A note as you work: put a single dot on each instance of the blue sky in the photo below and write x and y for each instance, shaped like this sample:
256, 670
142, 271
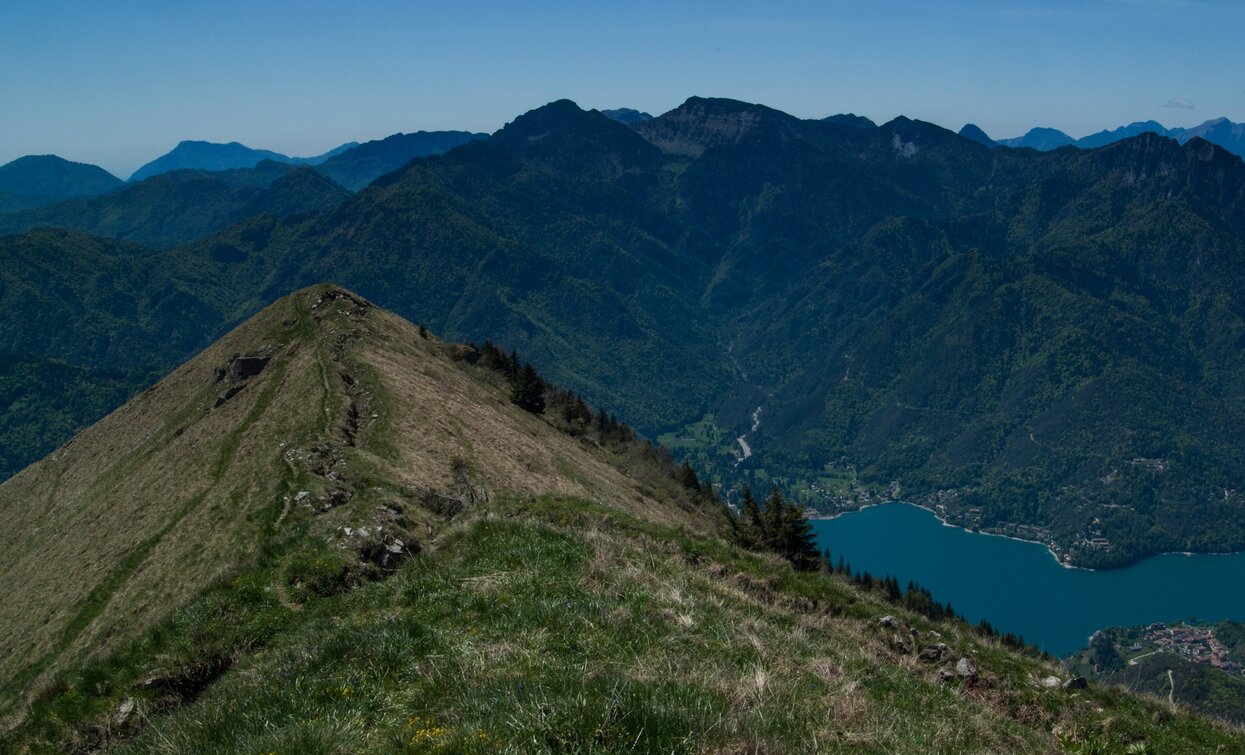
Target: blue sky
118, 83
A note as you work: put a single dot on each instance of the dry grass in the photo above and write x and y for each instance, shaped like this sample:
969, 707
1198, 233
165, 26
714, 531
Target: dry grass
186, 492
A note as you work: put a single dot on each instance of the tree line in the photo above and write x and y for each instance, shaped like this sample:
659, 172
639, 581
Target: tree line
778, 525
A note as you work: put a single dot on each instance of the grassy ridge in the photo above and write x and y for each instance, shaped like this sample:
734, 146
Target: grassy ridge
558, 625
581, 595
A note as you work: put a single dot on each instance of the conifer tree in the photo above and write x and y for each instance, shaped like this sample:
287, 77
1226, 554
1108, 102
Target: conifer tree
773, 517
752, 517
688, 477
527, 390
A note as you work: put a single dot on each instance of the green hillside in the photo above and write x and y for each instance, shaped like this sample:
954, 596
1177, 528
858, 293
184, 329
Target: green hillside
186, 205
35, 180
1198, 665
333, 532
359, 166
1040, 339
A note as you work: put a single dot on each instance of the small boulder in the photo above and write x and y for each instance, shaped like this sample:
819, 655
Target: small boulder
889, 622
122, 713
965, 668
226, 395
1076, 682
933, 652
242, 367
1051, 682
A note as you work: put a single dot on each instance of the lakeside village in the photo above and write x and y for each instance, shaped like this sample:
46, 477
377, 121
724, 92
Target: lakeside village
1196, 644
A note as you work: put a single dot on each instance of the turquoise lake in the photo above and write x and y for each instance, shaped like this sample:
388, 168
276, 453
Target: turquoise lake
1020, 588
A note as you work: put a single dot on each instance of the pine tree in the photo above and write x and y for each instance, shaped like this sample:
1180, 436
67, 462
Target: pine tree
773, 517
527, 390
800, 545
752, 517
688, 477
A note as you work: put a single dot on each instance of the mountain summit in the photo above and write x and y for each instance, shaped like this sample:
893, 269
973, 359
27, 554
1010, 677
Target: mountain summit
37, 180
199, 155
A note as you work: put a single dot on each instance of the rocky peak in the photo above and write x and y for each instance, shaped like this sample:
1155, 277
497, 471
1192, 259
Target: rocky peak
704, 122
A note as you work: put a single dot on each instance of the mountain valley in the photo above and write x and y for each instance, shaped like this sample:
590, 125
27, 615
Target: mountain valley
333, 532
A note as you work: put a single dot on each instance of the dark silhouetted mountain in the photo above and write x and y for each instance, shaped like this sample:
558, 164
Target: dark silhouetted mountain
1024, 337
187, 205
702, 123
850, 119
1103, 138
974, 133
1220, 131
1041, 139
626, 115
37, 180
193, 155
360, 166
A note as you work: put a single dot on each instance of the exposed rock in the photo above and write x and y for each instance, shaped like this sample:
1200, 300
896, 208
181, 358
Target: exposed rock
1051, 682
946, 675
336, 497
357, 306
889, 622
224, 396
122, 713
899, 644
966, 669
1076, 682
933, 652
242, 367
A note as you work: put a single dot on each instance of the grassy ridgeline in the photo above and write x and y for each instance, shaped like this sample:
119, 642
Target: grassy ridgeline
559, 625
567, 589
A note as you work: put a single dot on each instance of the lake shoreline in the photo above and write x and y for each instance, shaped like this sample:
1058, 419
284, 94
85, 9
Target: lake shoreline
1005, 580
946, 523
1051, 551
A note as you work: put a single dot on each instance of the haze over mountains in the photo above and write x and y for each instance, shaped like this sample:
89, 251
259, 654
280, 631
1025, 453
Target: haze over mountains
38, 180
186, 204
1220, 131
1027, 339
201, 155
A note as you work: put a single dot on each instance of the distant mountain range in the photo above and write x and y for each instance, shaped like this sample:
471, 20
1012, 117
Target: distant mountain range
186, 205
361, 165
626, 115
1023, 338
1221, 131
37, 180
194, 155
850, 119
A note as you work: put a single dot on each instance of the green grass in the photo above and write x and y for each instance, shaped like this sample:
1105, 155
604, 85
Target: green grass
554, 625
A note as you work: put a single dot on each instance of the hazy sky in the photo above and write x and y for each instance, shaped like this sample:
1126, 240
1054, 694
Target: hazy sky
118, 83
